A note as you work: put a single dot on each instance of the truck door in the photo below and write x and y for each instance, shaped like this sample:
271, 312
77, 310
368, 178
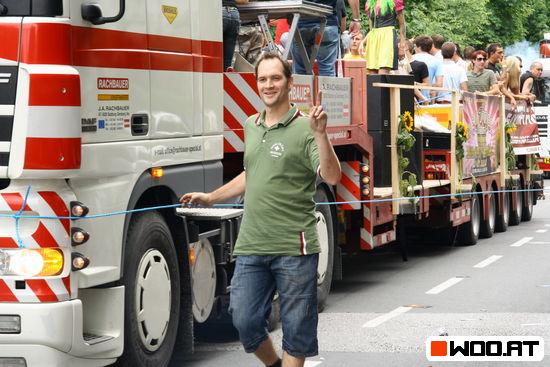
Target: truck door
114, 66
10, 28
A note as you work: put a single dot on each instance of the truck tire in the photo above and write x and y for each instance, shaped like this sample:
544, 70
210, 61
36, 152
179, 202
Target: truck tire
527, 209
325, 231
488, 225
515, 210
469, 232
504, 218
152, 293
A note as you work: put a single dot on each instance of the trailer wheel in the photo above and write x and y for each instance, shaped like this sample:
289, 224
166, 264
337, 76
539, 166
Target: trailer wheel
325, 232
469, 232
488, 225
504, 218
152, 293
527, 209
515, 210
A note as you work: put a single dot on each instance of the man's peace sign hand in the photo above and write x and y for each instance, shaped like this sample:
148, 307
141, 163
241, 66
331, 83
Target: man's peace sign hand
318, 117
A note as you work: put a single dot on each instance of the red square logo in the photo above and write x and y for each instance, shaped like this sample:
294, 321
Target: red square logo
439, 348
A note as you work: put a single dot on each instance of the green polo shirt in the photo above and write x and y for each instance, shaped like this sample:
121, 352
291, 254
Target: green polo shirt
281, 164
481, 82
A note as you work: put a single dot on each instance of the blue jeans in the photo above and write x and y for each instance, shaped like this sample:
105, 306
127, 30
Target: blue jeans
328, 50
231, 25
254, 283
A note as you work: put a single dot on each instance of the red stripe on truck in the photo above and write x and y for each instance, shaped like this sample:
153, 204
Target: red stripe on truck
52, 153
54, 90
42, 290
58, 206
9, 41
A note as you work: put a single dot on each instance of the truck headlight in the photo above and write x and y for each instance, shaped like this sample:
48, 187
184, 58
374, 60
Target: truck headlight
31, 262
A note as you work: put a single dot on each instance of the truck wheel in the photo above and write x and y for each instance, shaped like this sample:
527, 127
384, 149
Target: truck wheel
152, 293
527, 209
504, 218
515, 210
325, 232
488, 225
469, 233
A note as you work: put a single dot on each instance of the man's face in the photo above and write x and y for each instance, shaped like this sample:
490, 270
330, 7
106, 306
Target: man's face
498, 56
273, 86
536, 70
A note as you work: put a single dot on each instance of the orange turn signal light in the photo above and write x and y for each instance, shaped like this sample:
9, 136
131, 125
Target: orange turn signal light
157, 172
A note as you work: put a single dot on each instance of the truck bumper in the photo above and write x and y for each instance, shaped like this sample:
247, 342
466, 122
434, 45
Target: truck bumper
51, 335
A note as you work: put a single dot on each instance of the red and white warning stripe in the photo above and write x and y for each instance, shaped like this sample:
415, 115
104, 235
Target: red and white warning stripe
349, 187
240, 100
46, 233
366, 240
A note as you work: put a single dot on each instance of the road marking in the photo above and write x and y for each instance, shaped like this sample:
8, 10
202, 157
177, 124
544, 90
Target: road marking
547, 225
487, 261
541, 230
312, 363
446, 284
390, 315
521, 242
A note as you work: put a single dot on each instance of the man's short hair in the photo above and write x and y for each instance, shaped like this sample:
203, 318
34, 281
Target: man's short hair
492, 48
535, 65
438, 40
448, 50
287, 70
458, 52
468, 52
425, 43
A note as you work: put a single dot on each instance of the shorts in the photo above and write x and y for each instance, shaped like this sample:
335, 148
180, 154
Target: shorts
254, 283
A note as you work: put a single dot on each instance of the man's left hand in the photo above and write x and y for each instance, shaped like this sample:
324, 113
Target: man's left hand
318, 117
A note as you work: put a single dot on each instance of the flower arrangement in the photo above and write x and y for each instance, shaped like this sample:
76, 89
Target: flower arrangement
405, 142
510, 127
461, 136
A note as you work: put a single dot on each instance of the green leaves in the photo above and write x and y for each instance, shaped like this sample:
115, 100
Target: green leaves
476, 22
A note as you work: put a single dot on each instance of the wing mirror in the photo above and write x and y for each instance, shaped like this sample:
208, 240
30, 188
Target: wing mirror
93, 14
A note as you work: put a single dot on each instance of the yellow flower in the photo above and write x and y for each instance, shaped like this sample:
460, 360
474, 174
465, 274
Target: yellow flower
408, 121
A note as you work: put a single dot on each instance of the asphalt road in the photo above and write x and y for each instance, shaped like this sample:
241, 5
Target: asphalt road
383, 310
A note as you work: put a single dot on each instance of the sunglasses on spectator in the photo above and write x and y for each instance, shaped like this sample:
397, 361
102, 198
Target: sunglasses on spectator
480, 59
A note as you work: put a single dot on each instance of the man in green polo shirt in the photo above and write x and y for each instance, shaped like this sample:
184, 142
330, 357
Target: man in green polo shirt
277, 247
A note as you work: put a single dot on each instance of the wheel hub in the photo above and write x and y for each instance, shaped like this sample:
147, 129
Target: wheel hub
492, 211
476, 218
322, 233
153, 299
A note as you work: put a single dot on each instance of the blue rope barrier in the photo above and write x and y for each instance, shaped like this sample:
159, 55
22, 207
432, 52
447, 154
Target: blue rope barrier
235, 205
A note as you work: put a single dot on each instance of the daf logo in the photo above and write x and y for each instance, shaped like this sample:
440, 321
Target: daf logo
5, 78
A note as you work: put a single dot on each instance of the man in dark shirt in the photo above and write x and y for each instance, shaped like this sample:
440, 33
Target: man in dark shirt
328, 50
531, 83
495, 54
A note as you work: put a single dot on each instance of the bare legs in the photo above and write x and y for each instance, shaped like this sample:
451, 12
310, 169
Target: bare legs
267, 354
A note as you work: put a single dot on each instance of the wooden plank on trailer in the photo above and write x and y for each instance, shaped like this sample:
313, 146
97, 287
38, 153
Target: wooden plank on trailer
395, 110
502, 145
455, 115
382, 192
429, 184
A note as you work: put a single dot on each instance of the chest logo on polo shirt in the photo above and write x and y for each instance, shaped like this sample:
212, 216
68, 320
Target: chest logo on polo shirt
277, 150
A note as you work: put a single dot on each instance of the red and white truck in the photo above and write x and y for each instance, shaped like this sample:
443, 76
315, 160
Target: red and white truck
542, 107
117, 106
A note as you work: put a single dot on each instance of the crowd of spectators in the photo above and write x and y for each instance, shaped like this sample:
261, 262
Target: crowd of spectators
431, 60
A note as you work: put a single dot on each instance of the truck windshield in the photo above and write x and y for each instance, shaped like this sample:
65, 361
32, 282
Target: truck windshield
36, 8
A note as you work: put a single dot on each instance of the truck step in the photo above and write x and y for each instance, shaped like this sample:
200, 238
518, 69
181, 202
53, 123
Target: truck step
92, 339
209, 213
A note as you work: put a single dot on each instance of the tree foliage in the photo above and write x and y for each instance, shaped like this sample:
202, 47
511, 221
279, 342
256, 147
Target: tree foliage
477, 22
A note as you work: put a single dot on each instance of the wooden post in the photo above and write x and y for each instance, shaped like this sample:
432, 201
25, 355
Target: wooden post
455, 116
502, 145
395, 111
